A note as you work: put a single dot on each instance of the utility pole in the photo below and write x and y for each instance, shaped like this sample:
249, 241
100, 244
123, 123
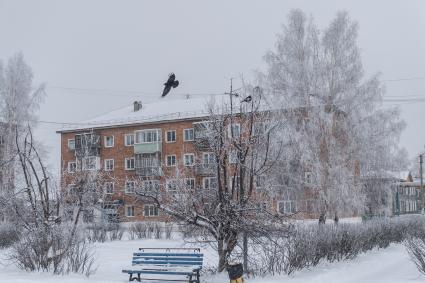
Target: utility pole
422, 182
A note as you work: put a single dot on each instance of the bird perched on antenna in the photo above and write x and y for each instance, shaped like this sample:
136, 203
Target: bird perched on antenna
171, 83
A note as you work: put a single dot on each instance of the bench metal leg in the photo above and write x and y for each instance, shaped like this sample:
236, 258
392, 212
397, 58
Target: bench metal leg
134, 278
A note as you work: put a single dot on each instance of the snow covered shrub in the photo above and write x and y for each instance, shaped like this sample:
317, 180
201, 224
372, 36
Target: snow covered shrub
9, 234
168, 229
115, 232
101, 232
157, 231
416, 249
53, 249
149, 229
303, 246
138, 230
96, 233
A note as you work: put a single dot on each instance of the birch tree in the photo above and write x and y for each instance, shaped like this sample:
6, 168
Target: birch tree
334, 110
19, 100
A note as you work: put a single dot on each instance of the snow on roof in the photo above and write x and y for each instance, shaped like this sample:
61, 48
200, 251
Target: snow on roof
162, 109
400, 175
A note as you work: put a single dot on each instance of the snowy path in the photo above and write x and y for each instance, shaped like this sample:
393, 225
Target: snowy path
391, 265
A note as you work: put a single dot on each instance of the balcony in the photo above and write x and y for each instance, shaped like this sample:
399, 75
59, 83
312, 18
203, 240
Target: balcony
206, 169
148, 165
146, 148
201, 137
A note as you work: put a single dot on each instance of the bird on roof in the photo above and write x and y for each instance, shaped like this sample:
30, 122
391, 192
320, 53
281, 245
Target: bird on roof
171, 83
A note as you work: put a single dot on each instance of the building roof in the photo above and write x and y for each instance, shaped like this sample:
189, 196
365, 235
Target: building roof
161, 110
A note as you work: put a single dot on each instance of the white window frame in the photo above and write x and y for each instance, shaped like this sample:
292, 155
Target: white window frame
184, 134
151, 185
105, 140
140, 138
151, 208
292, 207
132, 161
308, 178
210, 159
208, 180
96, 163
132, 138
233, 156
170, 156
126, 187
191, 180
166, 136
167, 185
69, 167
235, 135
106, 164
133, 211
69, 141
193, 159
106, 188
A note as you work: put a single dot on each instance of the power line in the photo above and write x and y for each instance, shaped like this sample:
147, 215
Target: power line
404, 79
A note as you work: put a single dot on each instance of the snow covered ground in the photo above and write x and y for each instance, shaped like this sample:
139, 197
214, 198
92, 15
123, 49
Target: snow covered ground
391, 265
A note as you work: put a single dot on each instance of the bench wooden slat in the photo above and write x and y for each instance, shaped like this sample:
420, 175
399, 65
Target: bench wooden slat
169, 258
168, 254
166, 263
157, 262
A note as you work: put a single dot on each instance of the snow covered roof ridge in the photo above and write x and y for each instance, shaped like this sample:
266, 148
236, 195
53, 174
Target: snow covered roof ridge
162, 109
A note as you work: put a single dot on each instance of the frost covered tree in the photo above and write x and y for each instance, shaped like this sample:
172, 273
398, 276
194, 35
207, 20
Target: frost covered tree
18, 101
239, 145
339, 130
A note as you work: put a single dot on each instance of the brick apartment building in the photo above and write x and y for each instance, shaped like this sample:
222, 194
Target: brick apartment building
143, 144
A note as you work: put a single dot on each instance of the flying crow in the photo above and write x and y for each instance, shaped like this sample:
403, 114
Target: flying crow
247, 99
171, 83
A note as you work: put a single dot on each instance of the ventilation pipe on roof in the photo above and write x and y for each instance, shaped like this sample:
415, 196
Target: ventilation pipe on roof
137, 105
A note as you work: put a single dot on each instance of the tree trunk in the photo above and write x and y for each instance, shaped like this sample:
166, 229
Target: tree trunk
336, 218
322, 218
225, 247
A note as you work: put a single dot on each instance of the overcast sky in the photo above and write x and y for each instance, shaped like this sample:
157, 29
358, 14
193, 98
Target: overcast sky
96, 56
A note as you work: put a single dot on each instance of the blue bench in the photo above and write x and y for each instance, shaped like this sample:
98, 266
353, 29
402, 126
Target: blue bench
185, 264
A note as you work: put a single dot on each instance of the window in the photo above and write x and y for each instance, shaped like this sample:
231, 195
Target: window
151, 210
308, 178
260, 181
130, 163
148, 136
109, 141
129, 187
171, 136
259, 129
71, 144
188, 134
261, 207
233, 156
129, 139
235, 129
171, 185
171, 160
91, 163
209, 183
109, 188
286, 207
150, 186
190, 183
189, 159
129, 211
109, 165
72, 167
208, 158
